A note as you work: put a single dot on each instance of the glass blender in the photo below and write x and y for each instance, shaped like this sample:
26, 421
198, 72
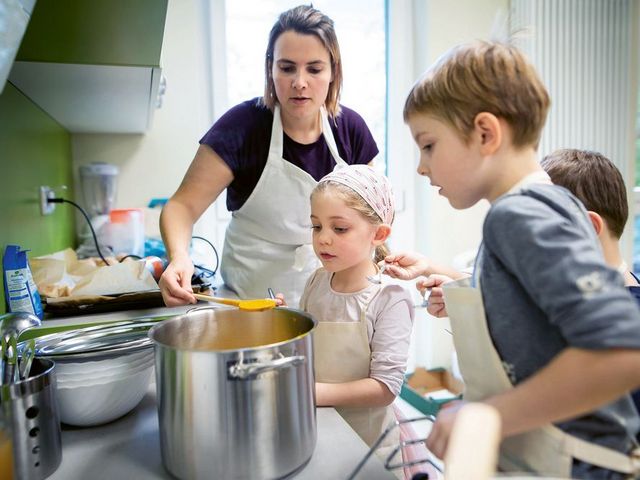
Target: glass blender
98, 185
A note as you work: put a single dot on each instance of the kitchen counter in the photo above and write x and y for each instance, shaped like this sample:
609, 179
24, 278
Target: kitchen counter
129, 448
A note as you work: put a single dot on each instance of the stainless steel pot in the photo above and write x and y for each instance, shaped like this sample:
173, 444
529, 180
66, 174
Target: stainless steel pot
235, 393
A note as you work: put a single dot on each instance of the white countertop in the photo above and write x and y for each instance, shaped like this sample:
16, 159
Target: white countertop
129, 448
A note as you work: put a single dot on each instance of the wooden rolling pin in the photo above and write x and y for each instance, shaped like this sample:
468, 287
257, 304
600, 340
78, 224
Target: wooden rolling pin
472, 452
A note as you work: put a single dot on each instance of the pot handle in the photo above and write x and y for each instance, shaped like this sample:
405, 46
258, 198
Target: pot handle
245, 370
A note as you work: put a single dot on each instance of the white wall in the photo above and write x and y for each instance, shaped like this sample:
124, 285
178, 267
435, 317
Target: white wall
595, 58
439, 231
450, 232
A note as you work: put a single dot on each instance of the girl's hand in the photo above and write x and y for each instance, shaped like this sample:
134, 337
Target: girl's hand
433, 283
406, 265
175, 283
280, 301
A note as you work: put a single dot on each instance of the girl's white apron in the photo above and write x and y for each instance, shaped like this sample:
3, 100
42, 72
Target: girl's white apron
342, 354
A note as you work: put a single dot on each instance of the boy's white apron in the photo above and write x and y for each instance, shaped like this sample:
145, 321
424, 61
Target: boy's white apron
342, 354
547, 450
268, 241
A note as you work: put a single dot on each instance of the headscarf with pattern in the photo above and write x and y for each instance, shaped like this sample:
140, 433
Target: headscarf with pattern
372, 186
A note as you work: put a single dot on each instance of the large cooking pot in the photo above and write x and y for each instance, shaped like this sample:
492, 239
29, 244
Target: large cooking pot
235, 393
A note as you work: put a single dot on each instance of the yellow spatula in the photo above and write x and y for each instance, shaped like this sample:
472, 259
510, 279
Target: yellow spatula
249, 305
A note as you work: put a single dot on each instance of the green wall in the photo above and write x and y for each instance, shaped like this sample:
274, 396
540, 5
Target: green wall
34, 151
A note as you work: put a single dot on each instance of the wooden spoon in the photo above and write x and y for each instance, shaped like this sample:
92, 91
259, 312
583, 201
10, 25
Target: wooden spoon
249, 305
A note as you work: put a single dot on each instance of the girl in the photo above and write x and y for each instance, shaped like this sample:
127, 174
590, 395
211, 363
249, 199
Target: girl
361, 342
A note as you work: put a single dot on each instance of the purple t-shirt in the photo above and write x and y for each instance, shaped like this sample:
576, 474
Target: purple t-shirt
241, 137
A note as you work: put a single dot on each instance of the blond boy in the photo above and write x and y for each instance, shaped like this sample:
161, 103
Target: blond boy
546, 333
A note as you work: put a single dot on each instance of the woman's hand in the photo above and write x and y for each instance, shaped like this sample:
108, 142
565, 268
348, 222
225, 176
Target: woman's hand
406, 265
433, 283
175, 282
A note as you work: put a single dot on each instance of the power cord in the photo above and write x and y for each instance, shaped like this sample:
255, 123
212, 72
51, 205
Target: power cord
95, 238
93, 232
211, 272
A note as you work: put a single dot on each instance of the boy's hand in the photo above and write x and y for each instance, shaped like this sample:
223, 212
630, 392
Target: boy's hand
280, 301
406, 265
438, 440
436, 305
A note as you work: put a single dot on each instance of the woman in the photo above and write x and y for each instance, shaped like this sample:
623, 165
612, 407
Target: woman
269, 154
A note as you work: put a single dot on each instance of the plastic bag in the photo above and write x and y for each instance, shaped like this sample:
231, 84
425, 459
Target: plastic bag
20, 290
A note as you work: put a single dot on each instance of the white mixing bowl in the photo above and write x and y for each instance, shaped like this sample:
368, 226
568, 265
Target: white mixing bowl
94, 404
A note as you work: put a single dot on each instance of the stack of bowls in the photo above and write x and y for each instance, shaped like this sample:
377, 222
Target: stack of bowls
102, 372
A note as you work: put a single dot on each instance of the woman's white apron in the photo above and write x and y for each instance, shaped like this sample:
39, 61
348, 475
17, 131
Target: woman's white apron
268, 241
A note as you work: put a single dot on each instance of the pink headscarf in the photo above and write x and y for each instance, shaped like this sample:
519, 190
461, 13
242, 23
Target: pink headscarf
372, 186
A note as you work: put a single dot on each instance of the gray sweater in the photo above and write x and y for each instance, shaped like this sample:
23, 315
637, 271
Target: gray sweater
546, 287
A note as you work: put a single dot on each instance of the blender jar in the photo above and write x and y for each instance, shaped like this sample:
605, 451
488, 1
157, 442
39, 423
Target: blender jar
98, 186
98, 181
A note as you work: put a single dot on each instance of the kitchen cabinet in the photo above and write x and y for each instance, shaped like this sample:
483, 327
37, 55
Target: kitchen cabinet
93, 66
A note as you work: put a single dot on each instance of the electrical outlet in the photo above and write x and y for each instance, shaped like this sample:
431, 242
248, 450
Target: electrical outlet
46, 193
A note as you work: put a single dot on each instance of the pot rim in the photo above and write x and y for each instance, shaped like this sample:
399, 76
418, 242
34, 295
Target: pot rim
177, 318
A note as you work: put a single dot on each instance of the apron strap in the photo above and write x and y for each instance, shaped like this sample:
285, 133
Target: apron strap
328, 137
598, 455
277, 140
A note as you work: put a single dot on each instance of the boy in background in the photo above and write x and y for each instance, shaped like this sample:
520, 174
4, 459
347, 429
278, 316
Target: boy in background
598, 184
559, 345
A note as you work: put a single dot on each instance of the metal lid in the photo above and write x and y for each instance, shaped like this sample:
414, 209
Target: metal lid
101, 340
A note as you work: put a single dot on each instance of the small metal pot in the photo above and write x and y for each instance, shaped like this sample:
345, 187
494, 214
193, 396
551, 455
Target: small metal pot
235, 393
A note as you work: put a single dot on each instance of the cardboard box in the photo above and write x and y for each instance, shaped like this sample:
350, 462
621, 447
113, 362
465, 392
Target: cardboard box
425, 389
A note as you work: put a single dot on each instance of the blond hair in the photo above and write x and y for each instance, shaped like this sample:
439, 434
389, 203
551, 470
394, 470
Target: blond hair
480, 77
306, 20
353, 200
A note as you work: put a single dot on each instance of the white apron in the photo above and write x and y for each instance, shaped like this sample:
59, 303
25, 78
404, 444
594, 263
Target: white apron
547, 450
342, 354
268, 241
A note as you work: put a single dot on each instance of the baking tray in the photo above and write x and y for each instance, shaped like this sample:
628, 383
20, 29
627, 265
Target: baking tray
82, 305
